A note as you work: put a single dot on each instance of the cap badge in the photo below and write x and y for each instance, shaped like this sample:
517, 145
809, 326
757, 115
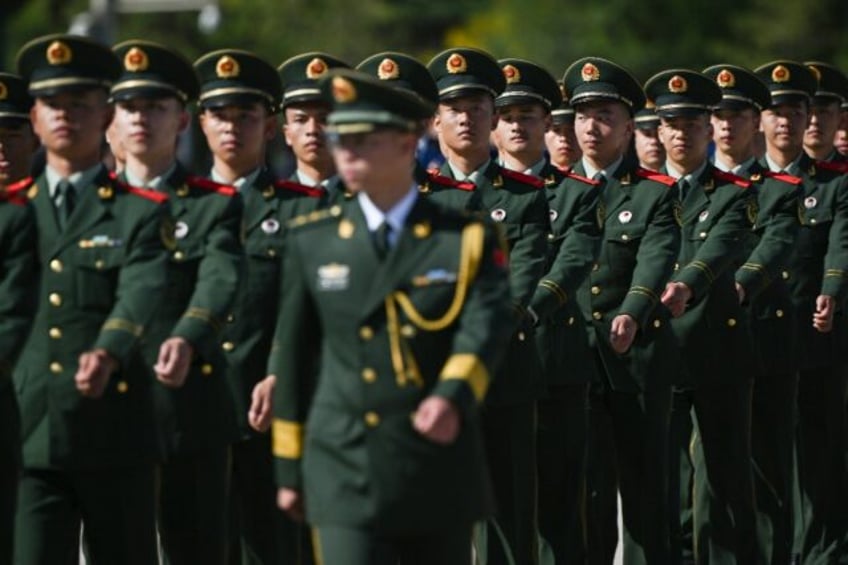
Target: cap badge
590, 72
58, 53
512, 74
316, 68
677, 85
456, 64
816, 72
343, 90
136, 60
725, 79
780, 74
388, 70
4, 92
227, 67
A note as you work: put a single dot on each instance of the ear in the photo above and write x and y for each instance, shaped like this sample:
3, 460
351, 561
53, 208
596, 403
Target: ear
185, 119
269, 131
437, 122
108, 115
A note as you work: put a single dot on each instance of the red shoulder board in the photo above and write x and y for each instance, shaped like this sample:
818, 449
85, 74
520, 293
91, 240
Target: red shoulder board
655, 176
146, 193
572, 175
730, 177
211, 185
442, 180
535, 182
292, 186
838, 166
19, 188
785, 177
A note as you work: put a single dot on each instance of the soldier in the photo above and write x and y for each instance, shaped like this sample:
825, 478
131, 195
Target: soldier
561, 143
194, 407
646, 141
763, 291
17, 277
86, 413
631, 343
816, 275
468, 81
390, 466
825, 111
840, 139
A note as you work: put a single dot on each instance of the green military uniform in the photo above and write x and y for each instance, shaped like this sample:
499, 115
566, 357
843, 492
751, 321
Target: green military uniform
102, 278
421, 321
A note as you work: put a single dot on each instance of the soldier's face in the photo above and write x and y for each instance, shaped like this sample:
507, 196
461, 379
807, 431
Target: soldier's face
686, 139
71, 124
521, 129
840, 140
148, 127
561, 141
464, 124
237, 134
649, 150
304, 132
783, 126
734, 131
17, 144
824, 121
375, 161
603, 130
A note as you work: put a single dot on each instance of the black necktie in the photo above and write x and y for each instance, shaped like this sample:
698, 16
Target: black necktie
381, 239
66, 197
683, 187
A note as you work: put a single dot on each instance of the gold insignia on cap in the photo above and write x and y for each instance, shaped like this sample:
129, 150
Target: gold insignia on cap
343, 90
136, 60
316, 68
677, 85
512, 74
58, 53
590, 72
726, 79
4, 92
422, 229
456, 64
780, 74
388, 70
227, 67
816, 72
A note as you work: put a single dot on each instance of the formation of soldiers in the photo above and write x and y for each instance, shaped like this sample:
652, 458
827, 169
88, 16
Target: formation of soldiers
652, 277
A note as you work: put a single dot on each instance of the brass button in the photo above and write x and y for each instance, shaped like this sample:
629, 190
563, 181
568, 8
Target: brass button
778, 313
703, 235
55, 367
372, 419
812, 221
657, 323
407, 331
228, 346
179, 255
272, 252
551, 237
571, 320
55, 333
231, 318
366, 333
56, 266
731, 322
677, 266
521, 336
596, 290
785, 275
206, 369
369, 375
625, 237
596, 267
122, 387
55, 299
597, 315
99, 264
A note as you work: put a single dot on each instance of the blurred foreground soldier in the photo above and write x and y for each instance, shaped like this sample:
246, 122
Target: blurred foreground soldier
523, 116
560, 141
713, 391
468, 82
404, 300
628, 331
646, 141
17, 280
85, 396
817, 275
763, 292
825, 112
840, 139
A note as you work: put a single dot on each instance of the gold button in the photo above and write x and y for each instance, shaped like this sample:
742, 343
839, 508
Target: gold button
99, 264
596, 290
785, 275
206, 369
407, 331
55, 299
571, 320
779, 313
731, 322
521, 336
596, 267
703, 235
55, 333
228, 346
597, 315
372, 419
56, 266
625, 237
366, 333
551, 237
677, 266
272, 253
179, 255
55, 367
122, 387
812, 221
657, 323
369, 375
231, 318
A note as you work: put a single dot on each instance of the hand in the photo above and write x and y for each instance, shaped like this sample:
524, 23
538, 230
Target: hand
675, 297
259, 415
95, 368
740, 292
291, 502
174, 361
622, 332
823, 316
437, 419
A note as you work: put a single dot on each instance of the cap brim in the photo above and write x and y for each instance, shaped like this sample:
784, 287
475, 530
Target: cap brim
235, 99
462, 90
362, 121
153, 91
510, 99
682, 111
788, 97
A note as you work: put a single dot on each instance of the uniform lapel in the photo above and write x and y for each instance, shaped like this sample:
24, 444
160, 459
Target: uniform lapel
90, 210
698, 197
260, 201
46, 213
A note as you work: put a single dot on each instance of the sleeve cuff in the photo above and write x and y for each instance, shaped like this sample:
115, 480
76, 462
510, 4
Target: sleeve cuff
119, 337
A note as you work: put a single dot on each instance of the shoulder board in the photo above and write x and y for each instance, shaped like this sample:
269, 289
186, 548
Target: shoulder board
292, 186
535, 182
572, 175
316, 216
146, 193
655, 176
839, 167
211, 185
730, 177
785, 177
18, 188
434, 177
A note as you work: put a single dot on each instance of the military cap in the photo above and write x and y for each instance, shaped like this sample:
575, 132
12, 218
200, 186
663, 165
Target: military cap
528, 83
592, 78
464, 71
832, 84
15, 102
151, 70
564, 113
787, 81
647, 118
58, 62
361, 103
402, 71
301, 73
740, 88
233, 76
681, 92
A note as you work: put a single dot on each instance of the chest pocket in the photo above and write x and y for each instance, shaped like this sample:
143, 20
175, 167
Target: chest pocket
630, 233
97, 278
819, 215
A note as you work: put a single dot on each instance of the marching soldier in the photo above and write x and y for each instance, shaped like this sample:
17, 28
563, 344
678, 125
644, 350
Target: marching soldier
468, 81
825, 111
85, 397
646, 141
404, 301
560, 140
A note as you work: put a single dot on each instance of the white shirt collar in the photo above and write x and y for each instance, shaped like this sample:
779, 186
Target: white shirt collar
608, 172
246, 180
396, 216
677, 175
739, 169
792, 168
306, 180
155, 183
79, 179
534, 170
475, 174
